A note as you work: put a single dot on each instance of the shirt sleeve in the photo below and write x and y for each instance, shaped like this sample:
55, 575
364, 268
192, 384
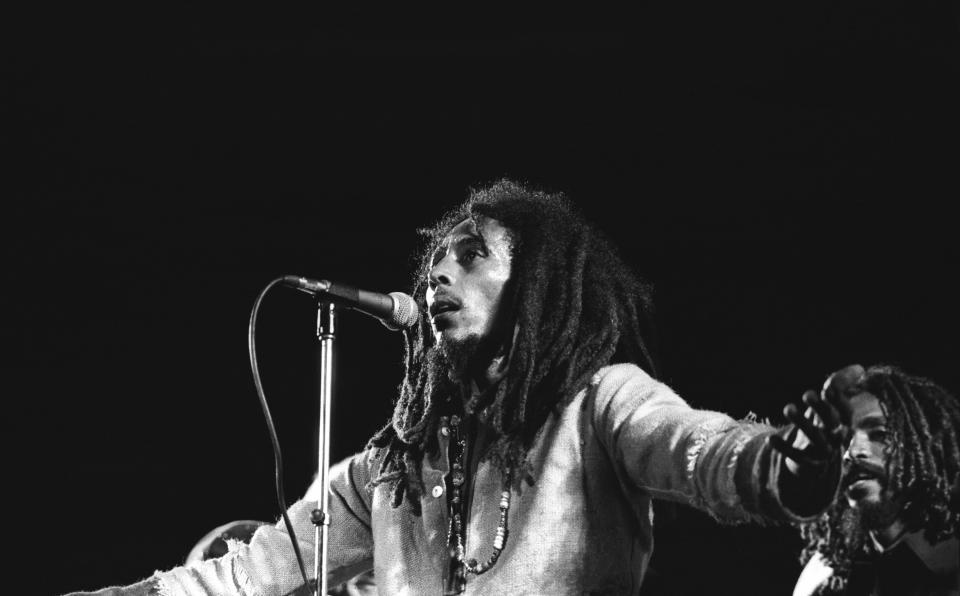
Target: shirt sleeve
814, 578
268, 566
659, 444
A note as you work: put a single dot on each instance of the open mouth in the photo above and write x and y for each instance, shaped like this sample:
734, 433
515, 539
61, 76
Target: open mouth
858, 477
443, 305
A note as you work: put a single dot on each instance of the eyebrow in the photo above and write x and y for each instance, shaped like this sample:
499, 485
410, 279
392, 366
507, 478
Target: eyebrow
872, 421
457, 241
468, 239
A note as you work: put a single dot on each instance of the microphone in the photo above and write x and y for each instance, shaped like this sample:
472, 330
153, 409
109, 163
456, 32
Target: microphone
395, 310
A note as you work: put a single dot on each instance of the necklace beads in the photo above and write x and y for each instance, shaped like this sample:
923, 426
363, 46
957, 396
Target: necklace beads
460, 568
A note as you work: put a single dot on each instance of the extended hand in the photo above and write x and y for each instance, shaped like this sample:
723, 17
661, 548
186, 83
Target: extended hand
821, 432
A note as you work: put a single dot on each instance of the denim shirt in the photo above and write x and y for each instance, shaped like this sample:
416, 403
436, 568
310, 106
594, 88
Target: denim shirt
583, 527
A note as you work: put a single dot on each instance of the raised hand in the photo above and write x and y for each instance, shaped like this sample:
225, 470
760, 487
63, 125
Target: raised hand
820, 434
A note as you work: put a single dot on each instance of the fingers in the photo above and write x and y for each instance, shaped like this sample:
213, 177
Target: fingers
845, 379
825, 423
797, 455
827, 415
806, 426
841, 405
840, 386
836, 425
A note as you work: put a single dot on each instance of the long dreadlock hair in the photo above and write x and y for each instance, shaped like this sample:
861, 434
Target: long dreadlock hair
574, 306
922, 464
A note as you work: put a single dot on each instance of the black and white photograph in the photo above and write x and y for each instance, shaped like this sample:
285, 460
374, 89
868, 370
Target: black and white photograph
661, 306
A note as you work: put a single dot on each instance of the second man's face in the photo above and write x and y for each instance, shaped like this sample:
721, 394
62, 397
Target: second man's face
467, 279
867, 473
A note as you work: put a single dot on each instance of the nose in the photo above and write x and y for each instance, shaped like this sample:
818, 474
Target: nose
440, 274
859, 447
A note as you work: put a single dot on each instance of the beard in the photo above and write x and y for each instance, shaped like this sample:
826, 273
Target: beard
447, 366
872, 511
463, 359
455, 359
877, 515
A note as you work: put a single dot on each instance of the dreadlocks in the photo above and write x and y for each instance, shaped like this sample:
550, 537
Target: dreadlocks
573, 305
922, 464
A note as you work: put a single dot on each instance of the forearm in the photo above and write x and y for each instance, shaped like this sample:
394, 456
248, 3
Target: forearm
147, 587
706, 459
268, 565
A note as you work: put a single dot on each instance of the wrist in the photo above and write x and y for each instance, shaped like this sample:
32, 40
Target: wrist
808, 489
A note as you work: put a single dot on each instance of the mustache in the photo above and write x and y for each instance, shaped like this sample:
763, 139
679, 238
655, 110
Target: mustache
859, 470
442, 302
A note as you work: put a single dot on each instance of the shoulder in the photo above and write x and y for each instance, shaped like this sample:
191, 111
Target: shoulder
629, 381
620, 392
614, 376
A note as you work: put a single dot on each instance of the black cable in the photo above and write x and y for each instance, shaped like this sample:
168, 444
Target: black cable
278, 462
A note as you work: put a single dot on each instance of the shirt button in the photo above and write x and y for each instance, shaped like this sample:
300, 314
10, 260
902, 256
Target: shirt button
437, 491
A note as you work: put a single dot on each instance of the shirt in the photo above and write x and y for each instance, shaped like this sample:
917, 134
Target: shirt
583, 527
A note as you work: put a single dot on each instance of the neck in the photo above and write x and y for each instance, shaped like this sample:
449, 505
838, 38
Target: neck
495, 370
487, 365
481, 381
494, 359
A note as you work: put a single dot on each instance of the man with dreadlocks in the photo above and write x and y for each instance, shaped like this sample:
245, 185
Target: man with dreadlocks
530, 434
895, 528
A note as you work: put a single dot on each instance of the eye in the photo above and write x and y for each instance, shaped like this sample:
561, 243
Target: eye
470, 255
879, 435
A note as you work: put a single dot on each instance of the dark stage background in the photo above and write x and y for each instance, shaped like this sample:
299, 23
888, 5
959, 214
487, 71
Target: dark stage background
784, 176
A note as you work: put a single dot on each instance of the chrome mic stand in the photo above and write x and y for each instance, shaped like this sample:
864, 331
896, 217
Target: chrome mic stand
326, 329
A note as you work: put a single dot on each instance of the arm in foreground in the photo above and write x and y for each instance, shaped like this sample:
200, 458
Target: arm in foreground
268, 566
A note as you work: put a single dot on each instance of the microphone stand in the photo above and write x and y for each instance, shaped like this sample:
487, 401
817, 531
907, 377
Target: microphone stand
326, 329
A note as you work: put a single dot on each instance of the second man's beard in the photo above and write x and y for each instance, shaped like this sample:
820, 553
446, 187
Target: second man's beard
870, 515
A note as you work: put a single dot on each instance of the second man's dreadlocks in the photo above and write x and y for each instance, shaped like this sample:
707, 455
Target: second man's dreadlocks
923, 465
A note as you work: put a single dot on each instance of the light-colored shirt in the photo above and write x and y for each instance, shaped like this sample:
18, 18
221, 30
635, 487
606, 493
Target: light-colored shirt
583, 527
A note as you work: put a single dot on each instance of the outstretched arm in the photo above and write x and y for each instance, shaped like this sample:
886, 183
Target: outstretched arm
267, 565
147, 587
731, 469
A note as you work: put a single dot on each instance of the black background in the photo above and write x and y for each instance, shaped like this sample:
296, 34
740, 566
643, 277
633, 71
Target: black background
784, 176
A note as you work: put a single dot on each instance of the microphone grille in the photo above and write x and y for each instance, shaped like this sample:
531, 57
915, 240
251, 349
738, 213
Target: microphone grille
405, 311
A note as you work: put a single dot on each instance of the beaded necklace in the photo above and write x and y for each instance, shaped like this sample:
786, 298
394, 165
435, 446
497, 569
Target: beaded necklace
459, 568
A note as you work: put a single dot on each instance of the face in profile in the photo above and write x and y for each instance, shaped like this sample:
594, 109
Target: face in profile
868, 463
466, 281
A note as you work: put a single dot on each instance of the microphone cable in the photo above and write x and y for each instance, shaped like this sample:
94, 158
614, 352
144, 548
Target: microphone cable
277, 459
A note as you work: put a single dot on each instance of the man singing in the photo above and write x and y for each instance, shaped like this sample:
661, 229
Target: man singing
530, 433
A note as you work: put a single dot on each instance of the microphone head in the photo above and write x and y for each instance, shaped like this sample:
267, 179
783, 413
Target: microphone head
405, 312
